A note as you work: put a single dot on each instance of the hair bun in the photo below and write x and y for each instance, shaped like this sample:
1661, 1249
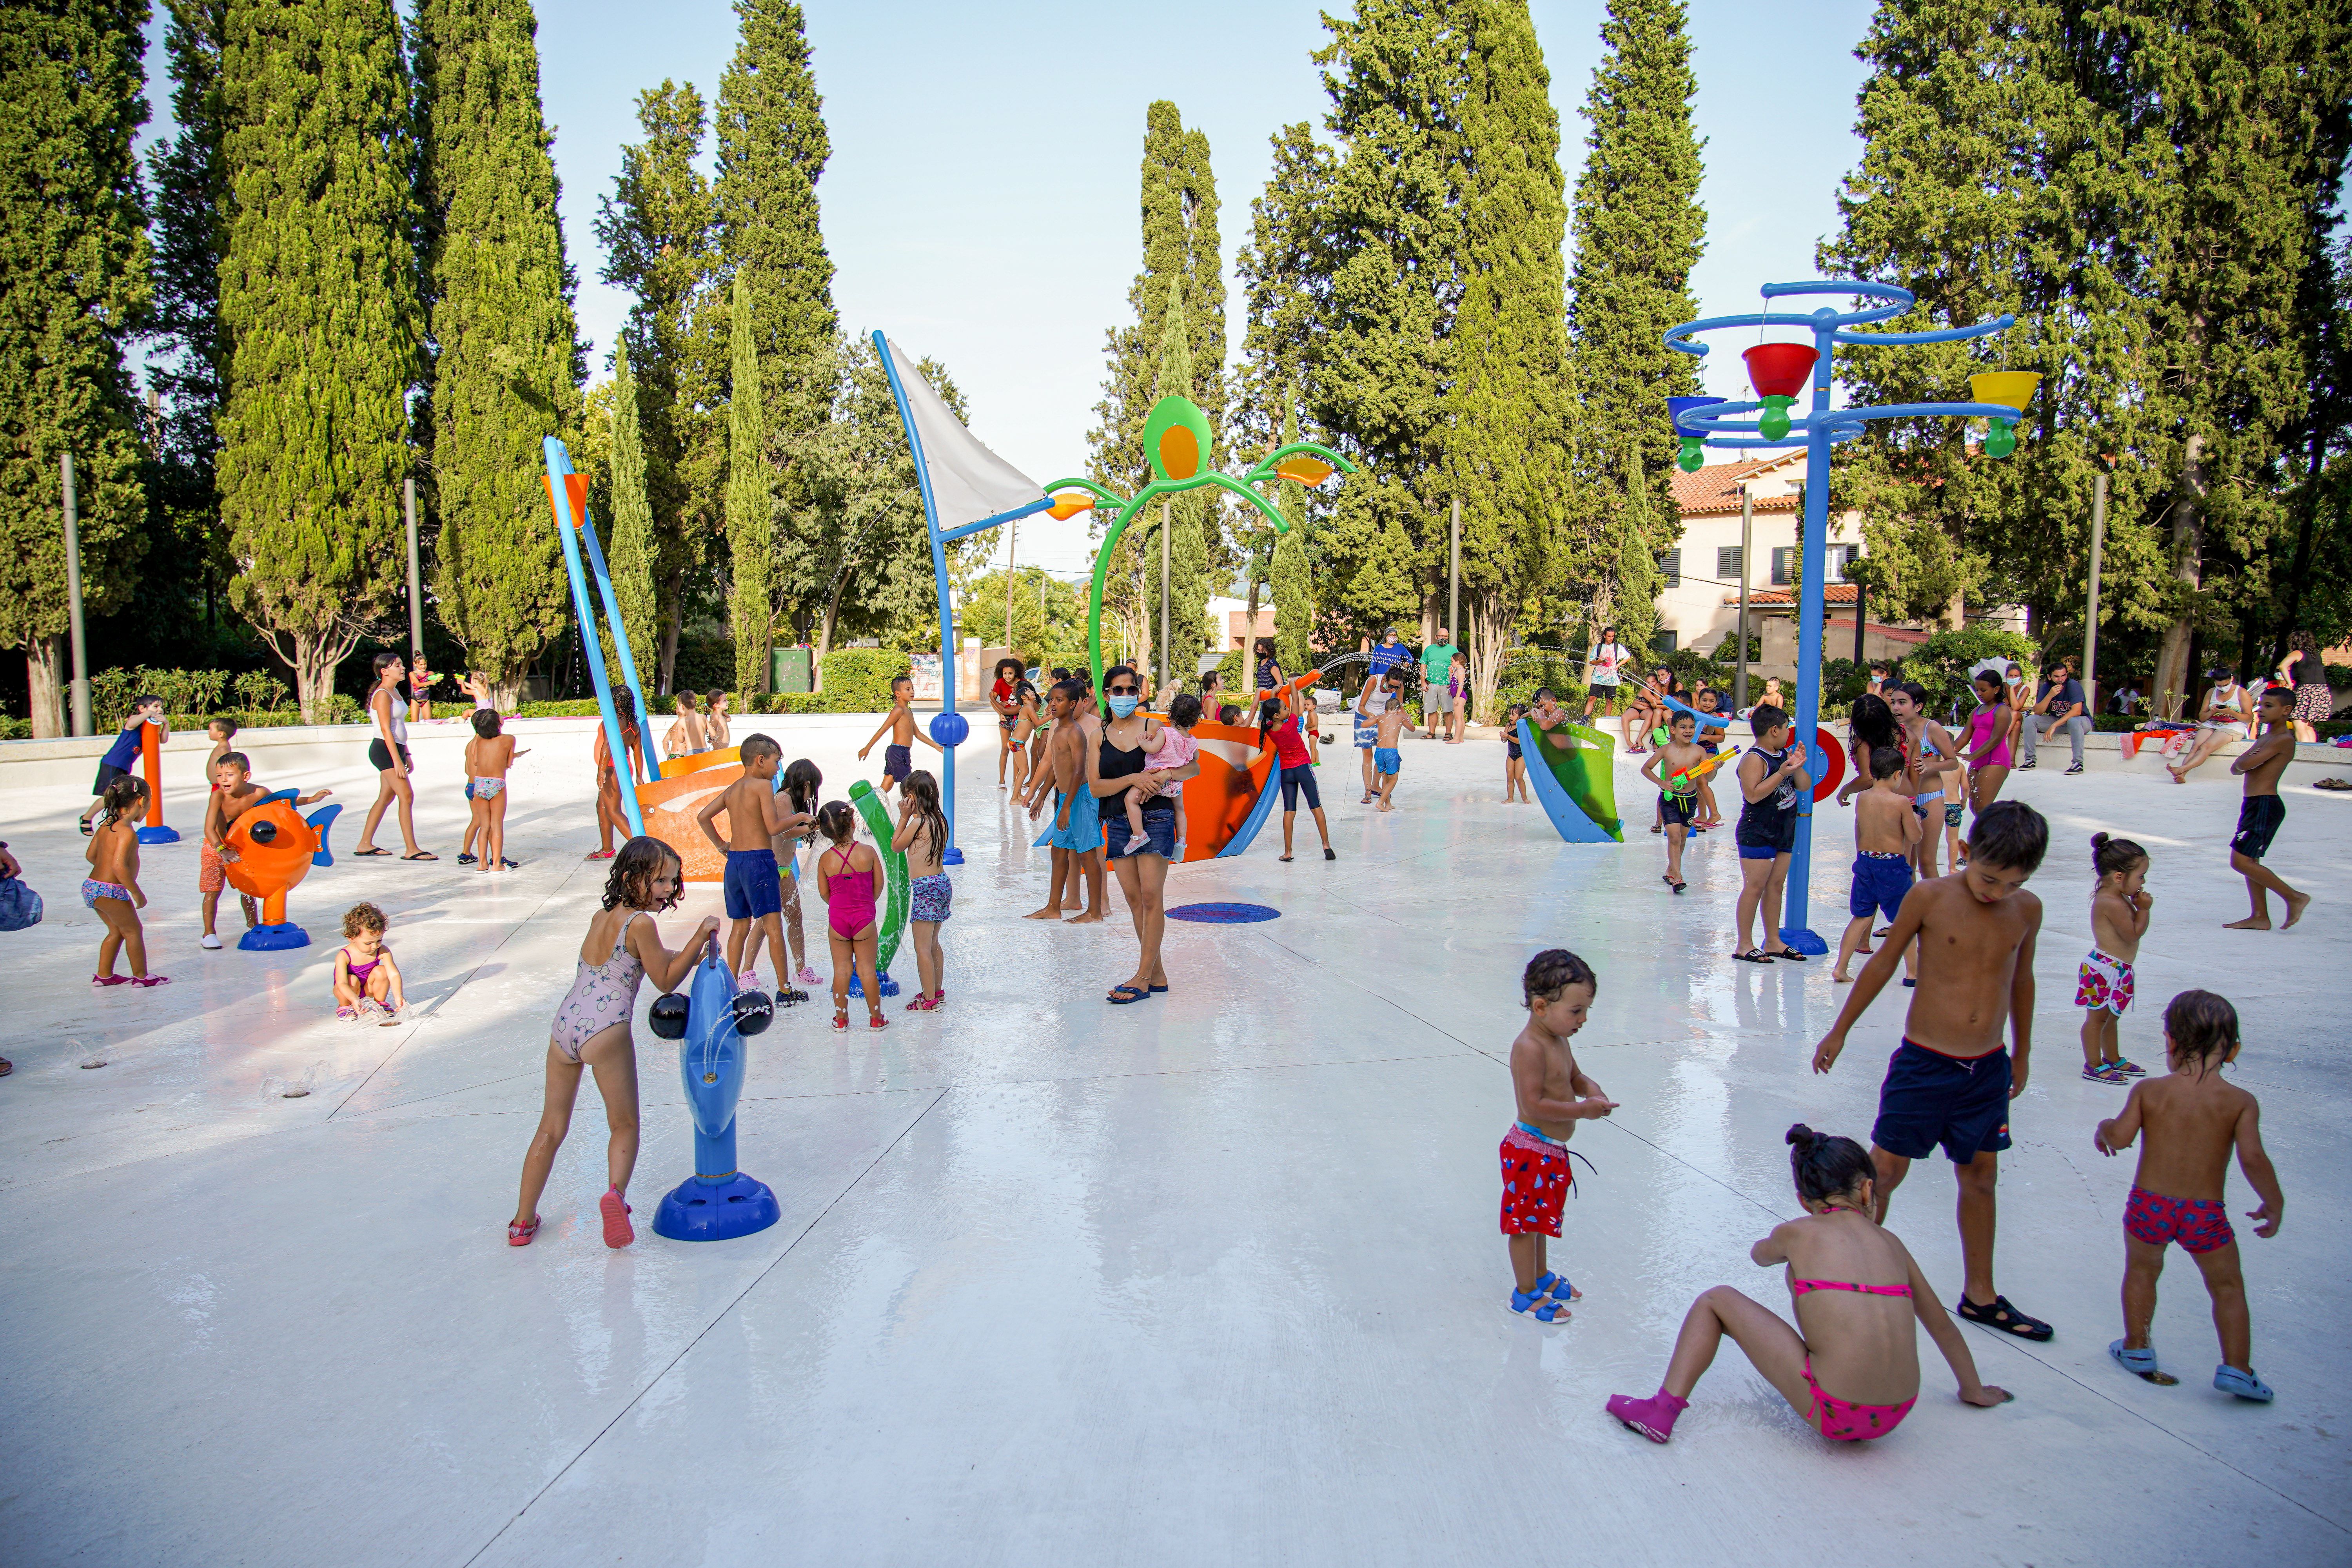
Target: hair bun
2098, 842
1804, 1137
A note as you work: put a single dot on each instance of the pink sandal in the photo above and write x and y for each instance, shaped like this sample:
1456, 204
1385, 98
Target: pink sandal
110, 980
877, 1021
922, 1004
520, 1235
147, 980
617, 1231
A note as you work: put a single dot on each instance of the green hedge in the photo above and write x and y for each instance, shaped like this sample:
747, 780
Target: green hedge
858, 680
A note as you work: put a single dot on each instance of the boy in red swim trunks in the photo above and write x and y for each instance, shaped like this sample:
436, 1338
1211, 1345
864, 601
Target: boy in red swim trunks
2193, 1120
1554, 1095
1949, 1082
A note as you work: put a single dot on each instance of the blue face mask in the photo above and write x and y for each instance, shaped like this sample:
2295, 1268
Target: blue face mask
1123, 706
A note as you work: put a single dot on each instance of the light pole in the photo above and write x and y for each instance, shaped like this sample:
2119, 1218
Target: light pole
79, 724
2091, 623
1781, 373
416, 586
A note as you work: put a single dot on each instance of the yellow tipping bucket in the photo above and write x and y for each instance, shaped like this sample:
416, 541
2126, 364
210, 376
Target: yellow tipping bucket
2013, 387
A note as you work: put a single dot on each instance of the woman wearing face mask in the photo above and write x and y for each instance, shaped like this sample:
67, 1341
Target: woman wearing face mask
1114, 767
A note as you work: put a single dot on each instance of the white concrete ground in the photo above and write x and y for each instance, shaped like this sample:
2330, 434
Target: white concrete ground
1215, 1278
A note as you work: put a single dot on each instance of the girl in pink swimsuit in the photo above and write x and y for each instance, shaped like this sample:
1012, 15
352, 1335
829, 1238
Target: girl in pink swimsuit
1846, 1275
1990, 729
849, 879
592, 1028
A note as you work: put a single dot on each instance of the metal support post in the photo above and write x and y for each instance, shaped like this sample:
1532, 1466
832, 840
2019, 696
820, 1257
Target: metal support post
2091, 623
1747, 530
80, 723
415, 584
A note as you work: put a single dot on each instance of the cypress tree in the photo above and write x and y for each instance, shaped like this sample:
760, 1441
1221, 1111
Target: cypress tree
73, 288
1639, 229
773, 149
748, 491
657, 231
630, 556
319, 303
1285, 276
1509, 459
1293, 589
506, 375
1392, 226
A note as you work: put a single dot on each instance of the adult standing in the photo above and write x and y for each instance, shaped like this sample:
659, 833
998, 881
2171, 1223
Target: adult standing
1604, 669
2314, 701
1391, 655
388, 754
2057, 706
1113, 765
1437, 687
1372, 701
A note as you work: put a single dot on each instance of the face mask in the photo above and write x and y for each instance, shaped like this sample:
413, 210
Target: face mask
1123, 706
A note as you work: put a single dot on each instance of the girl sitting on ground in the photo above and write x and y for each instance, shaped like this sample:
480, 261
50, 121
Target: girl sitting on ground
1857, 1290
592, 1028
849, 880
367, 980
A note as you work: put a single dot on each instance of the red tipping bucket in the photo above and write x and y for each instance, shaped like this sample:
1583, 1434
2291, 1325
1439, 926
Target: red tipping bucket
1779, 370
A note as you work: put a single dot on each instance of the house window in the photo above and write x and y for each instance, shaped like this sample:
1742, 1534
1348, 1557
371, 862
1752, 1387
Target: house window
1662, 643
1836, 557
1780, 564
1727, 562
1671, 563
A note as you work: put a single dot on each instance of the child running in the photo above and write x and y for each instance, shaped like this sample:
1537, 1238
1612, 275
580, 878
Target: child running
2263, 813
922, 837
1949, 1082
849, 880
754, 896
2119, 906
233, 794
1771, 776
898, 759
1857, 1291
1677, 799
1278, 725
489, 755
367, 980
1885, 829
2193, 1120
111, 889
1553, 1095
591, 1026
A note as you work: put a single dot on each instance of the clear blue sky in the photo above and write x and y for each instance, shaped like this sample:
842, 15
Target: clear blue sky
981, 205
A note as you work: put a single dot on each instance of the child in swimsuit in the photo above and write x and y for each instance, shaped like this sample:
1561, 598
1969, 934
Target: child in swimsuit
488, 756
1854, 1287
2119, 906
849, 880
2193, 1121
591, 1026
367, 980
1515, 764
1552, 1094
922, 837
111, 889
420, 692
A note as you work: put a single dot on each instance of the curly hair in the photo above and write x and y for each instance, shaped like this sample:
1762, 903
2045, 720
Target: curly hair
631, 880
362, 917
1553, 971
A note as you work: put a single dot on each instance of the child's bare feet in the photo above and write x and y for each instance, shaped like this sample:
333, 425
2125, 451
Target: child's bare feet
1386, 807
1092, 917
2252, 923
2296, 904
1050, 912
1842, 977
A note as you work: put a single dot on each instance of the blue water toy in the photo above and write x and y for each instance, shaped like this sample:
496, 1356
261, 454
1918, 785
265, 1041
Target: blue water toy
711, 1020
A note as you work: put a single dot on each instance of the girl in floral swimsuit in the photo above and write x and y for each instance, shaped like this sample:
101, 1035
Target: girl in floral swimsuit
591, 1026
1846, 1275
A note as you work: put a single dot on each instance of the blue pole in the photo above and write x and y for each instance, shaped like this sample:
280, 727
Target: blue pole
620, 640
1795, 898
953, 856
558, 467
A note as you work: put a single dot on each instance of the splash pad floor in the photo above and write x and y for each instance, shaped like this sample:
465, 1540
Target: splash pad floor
1213, 1277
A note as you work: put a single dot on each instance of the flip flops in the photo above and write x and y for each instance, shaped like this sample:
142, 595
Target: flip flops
366, 854
519, 1235
1126, 995
422, 854
1998, 1314
1753, 955
1328, 855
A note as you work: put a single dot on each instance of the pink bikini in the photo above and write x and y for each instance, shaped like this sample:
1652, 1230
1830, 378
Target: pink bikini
1842, 1419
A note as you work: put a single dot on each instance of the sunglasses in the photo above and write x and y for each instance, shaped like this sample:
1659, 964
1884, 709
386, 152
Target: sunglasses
1123, 691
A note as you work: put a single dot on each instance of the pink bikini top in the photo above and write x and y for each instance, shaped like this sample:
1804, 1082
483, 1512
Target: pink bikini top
1799, 1287
852, 891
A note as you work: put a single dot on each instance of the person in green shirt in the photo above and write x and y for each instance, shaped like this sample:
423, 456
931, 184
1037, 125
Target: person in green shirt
1436, 687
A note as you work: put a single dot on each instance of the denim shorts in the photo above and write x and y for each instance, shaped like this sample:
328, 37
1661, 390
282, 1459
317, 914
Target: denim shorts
1158, 833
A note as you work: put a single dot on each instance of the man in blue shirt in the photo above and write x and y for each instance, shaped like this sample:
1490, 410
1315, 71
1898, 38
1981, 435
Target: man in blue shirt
2058, 705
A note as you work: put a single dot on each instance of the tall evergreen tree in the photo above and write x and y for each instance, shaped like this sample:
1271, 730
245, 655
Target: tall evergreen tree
189, 235
1392, 226
319, 303
506, 374
1639, 230
1508, 458
631, 554
1286, 281
73, 288
1294, 585
748, 491
657, 234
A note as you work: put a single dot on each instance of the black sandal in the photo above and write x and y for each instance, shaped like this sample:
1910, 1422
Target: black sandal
1790, 953
1753, 955
2001, 1316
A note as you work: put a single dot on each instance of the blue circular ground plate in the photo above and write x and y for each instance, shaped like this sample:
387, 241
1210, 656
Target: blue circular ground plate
1224, 914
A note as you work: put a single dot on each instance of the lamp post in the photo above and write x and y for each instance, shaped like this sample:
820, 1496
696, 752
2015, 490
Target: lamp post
1781, 373
2091, 623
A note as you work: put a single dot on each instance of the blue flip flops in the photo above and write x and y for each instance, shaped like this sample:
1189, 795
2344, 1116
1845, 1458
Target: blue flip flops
1124, 995
2242, 1383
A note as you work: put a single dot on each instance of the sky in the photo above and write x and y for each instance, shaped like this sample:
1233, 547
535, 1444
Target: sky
981, 204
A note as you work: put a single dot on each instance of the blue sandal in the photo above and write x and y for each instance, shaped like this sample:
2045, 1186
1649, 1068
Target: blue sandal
1557, 1287
2141, 1363
1121, 996
2241, 1382
1543, 1309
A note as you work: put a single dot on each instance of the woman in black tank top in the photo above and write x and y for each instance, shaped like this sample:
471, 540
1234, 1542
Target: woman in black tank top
1141, 877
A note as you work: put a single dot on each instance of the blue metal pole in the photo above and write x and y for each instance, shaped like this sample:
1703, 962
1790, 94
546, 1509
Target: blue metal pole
1795, 897
620, 640
558, 467
951, 856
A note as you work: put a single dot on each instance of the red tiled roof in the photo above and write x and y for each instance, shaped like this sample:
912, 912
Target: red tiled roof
1781, 598
1714, 489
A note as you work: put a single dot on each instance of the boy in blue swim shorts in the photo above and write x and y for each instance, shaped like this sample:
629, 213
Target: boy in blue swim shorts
899, 757
1386, 763
1885, 830
753, 890
1950, 1083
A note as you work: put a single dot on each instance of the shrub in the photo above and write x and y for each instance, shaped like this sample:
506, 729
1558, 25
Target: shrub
858, 680
703, 664
1526, 669
1941, 664
14, 728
